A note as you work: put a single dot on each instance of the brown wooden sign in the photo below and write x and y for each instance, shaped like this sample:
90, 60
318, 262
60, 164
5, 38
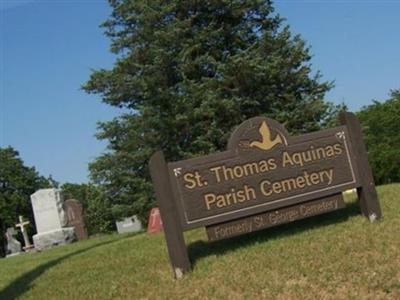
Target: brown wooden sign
265, 178
275, 217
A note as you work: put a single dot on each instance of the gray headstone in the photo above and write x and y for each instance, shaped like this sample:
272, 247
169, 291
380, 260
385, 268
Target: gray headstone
13, 245
131, 224
50, 219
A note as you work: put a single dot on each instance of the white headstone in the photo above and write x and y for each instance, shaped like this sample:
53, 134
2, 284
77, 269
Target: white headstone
131, 224
48, 210
50, 219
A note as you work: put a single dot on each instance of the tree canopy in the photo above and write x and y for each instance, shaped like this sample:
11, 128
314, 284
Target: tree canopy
188, 72
17, 183
381, 126
96, 206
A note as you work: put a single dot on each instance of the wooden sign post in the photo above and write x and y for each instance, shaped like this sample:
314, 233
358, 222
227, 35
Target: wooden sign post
264, 179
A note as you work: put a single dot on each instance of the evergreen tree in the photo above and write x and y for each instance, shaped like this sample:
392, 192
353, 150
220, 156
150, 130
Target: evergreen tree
188, 72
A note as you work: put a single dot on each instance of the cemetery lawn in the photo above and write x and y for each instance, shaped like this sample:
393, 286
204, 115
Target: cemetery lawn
339, 255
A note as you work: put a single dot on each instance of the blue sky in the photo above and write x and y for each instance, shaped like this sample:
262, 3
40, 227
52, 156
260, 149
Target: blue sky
48, 48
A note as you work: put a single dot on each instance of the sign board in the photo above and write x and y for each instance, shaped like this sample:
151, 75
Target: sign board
275, 217
265, 178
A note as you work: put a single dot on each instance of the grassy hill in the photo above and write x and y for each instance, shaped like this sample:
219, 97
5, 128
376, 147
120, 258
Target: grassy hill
334, 256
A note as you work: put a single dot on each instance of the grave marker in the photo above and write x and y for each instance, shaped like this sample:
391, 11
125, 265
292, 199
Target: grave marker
21, 226
265, 178
131, 224
13, 245
74, 211
51, 220
155, 223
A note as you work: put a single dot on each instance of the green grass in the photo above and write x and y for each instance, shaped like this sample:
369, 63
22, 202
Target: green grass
334, 256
